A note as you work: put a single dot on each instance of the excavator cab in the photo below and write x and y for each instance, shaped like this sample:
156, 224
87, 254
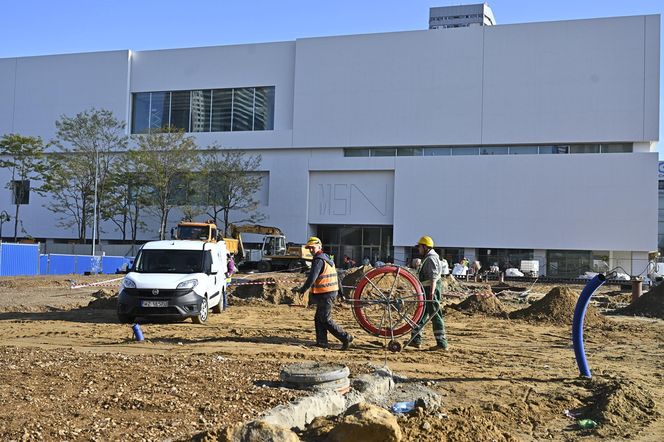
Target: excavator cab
274, 245
197, 231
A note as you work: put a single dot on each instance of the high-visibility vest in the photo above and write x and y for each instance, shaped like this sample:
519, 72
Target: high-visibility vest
327, 281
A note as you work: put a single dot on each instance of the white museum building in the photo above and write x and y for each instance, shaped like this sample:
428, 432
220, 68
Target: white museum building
506, 142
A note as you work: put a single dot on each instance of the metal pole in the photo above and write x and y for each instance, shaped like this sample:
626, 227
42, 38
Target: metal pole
94, 217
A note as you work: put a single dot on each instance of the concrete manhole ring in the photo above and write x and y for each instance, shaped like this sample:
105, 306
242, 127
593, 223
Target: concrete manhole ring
312, 373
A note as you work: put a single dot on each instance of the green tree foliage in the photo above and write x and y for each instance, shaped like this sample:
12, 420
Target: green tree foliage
123, 206
87, 146
167, 161
24, 156
231, 182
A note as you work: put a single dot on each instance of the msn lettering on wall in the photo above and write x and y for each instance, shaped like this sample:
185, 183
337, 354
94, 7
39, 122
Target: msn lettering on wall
349, 199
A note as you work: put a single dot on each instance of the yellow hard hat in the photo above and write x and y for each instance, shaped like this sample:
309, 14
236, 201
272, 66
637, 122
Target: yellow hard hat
313, 241
426, 241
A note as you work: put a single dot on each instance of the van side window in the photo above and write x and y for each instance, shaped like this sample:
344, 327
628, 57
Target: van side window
207, 261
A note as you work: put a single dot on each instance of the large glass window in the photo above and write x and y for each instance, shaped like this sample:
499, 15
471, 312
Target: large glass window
180, 106
216, 110
160, 104
243, 109
222, 106
264, 109
141, 113
200, 110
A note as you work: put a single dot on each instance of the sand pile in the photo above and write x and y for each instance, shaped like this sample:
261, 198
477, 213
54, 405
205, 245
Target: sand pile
450, 284
272, 290
104, 299
483, 305
621, 407
557, 307
651, 304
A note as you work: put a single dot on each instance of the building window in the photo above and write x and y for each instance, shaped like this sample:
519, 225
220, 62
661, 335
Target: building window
384, 152
356, 152
523, 150
493, 151
20, 191
207, 110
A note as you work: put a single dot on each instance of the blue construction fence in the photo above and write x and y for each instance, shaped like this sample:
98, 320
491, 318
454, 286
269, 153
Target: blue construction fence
24, 259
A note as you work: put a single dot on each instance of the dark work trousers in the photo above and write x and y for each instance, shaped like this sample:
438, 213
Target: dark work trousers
433, 310
323, 318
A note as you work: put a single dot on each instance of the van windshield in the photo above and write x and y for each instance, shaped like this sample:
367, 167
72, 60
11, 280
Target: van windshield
169, 261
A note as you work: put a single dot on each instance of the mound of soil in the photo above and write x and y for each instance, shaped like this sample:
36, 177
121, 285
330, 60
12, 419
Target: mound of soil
557, 307
272, 290
483, 305
105, 300
621, 407
651, 304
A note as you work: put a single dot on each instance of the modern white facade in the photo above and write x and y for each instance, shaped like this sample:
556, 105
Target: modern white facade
411, 132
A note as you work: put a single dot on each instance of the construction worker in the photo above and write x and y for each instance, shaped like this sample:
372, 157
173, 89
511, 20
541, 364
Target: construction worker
429, 274
324, 286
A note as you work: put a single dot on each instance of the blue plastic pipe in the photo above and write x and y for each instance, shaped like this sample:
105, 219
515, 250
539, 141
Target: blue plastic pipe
577, 322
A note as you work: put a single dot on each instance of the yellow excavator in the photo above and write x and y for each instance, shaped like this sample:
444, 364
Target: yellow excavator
274, 253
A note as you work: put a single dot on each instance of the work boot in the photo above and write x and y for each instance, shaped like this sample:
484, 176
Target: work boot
345, 344
415, 344
440, 347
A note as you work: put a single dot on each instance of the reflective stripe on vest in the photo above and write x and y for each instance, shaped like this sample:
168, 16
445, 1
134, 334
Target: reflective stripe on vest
327, 281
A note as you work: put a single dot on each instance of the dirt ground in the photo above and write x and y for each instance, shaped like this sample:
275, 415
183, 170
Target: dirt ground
69, 371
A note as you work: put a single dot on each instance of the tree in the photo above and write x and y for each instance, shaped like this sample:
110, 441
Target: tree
232, 180
130, 195
167, 160
87, 144
26, 161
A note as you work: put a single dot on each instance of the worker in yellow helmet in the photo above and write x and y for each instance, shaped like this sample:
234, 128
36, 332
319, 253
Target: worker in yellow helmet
429, 273
324, 285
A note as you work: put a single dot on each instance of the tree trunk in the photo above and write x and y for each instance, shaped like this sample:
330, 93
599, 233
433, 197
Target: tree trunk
16, 223
84, 221
164, 220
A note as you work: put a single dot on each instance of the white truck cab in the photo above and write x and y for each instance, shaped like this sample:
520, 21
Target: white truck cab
175, 278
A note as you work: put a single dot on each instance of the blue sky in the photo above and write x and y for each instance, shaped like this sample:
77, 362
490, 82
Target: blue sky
39, 27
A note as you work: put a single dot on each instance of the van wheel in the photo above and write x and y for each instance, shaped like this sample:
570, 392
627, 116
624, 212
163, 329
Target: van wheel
220, 307
202, 314
123, 318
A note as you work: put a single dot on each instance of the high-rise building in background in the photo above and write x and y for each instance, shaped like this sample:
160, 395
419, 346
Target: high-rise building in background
460, 16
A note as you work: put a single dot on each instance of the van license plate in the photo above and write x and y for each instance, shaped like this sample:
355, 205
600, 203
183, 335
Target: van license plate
154, 303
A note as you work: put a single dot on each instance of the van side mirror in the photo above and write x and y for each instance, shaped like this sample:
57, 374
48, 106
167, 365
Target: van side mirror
214, 269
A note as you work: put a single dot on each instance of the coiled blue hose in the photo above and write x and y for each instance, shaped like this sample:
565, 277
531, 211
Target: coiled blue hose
577, 322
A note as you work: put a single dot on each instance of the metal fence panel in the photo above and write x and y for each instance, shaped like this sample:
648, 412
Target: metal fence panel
43, 264
19, 259
61, 264
111, 264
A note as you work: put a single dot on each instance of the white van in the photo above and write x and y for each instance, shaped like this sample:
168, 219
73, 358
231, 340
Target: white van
176, 279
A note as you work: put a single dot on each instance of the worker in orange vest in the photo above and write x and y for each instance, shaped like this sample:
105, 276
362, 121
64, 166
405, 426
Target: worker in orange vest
324, 286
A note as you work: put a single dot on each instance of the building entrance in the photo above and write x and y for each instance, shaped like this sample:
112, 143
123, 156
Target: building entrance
360, 243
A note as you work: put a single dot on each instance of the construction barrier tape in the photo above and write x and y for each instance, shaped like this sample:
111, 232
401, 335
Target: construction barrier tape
253, 283
100, 283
